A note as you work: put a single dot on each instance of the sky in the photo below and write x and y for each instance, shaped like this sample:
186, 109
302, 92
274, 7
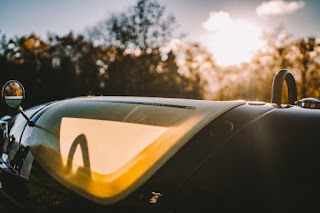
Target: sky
210, 22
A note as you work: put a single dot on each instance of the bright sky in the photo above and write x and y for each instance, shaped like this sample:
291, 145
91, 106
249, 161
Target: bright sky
231, 29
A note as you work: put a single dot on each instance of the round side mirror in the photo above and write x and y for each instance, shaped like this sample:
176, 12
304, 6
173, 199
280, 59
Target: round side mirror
13, 93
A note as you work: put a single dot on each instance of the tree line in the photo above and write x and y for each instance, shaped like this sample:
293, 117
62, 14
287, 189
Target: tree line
119, 56
128, 54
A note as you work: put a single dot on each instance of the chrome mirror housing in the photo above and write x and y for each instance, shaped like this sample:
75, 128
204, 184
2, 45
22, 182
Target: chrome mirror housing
13, 93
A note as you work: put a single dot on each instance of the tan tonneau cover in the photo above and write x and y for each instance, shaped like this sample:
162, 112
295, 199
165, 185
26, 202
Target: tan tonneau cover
103, 148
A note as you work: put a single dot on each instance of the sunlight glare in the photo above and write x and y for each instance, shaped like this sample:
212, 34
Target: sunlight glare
231, 41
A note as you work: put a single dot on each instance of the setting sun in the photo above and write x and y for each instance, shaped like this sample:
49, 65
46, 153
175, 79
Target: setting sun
231, 41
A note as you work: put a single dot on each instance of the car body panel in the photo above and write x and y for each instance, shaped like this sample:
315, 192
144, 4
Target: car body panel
256, 156
88, 122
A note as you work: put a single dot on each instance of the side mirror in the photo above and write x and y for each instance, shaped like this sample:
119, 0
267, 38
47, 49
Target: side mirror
13, 94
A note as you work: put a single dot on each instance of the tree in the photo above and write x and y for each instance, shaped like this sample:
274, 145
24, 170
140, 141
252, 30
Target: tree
143, 26
196, 63
138, 67
306, 61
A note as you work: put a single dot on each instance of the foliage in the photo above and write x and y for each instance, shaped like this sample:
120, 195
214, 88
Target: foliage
125, 56
130, 64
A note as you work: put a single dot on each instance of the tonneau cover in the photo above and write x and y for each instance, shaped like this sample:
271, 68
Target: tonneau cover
103, 148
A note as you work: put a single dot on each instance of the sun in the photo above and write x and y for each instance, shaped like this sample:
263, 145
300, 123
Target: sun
231, 41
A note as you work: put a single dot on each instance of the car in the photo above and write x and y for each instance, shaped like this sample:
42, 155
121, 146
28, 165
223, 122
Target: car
150, 154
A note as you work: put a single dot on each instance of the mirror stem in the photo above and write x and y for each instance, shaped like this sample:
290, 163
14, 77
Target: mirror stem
30, 123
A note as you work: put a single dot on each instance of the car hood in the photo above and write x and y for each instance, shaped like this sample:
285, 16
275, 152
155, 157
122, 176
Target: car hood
103, 148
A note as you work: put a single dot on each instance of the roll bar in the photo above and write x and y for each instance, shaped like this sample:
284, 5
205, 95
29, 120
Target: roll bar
277, 87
